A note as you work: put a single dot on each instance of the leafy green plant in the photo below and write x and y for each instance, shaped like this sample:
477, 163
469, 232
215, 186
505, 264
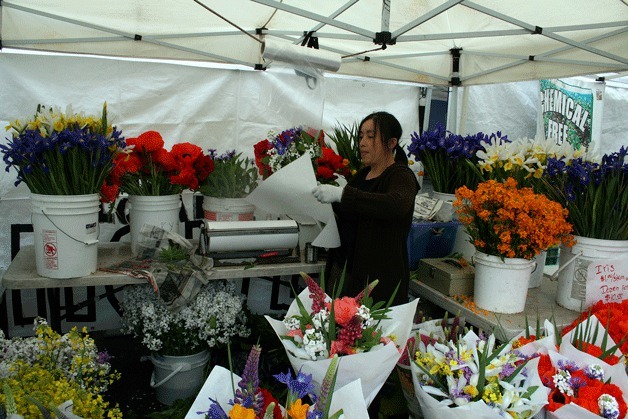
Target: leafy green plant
345, 138
234, 176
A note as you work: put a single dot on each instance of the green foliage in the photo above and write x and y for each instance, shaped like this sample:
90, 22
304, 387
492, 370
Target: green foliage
234, 176
345, 138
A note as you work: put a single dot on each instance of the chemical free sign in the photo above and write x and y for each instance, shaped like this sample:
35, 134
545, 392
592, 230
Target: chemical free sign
607, 281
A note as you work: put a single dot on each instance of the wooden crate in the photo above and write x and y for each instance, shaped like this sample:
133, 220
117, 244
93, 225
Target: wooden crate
446, 275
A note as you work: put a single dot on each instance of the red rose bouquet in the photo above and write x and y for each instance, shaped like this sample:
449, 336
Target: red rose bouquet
279, 150
146, 168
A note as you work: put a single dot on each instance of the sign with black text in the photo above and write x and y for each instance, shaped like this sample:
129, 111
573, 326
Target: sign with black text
607, 280
571, 112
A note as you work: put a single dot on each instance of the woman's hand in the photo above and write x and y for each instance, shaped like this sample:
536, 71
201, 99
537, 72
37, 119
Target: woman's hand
327, 194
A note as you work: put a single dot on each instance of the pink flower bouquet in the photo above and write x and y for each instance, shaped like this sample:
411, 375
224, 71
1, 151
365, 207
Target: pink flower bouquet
368, 337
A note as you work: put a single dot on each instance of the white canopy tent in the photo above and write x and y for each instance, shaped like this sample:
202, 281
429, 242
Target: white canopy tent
437, 42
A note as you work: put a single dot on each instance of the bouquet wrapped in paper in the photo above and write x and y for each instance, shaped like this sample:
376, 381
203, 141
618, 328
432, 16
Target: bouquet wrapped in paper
472, 377
586, 377
226, 395
535, 341
368, 337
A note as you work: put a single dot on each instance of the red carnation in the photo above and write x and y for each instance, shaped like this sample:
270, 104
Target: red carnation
149, 141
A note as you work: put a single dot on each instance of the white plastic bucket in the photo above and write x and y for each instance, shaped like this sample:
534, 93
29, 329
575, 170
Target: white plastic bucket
537, 274
160, 211
177, 377
227, 209
501, 286
573, 265
66, 234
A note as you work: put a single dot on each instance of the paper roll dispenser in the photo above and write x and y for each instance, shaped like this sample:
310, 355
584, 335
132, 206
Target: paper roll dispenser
248, 236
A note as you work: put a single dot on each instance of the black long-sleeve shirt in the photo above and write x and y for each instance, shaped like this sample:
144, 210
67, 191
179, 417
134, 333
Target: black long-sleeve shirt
374, 218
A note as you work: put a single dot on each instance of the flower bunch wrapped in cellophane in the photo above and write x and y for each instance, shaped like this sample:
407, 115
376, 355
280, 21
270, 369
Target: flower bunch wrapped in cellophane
368, 336
62, 153
226, 395
474, 377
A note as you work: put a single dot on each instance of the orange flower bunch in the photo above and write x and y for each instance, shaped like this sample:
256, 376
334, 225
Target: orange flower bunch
613, 316
147, 168
506, 221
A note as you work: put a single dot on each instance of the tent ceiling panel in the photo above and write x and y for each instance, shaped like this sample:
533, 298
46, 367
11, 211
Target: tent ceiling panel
405, 40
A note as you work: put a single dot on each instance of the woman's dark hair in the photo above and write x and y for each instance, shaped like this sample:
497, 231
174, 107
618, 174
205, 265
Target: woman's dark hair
389, 127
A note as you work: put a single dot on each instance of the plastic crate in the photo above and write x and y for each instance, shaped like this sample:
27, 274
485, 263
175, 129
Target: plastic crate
430, 240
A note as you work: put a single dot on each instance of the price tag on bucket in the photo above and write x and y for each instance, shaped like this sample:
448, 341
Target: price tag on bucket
607, 280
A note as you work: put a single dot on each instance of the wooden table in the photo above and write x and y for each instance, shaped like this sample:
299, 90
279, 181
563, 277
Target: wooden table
22, 275
541, 301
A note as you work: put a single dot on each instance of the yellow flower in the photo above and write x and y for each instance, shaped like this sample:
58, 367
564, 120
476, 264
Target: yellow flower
239, 412
470, 390
298, 410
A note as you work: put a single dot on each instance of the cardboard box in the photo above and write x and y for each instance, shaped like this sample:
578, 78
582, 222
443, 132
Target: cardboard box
446, 275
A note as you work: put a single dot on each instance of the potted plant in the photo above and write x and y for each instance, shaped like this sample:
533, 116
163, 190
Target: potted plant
64, 158
50, 373
154, 178
224, 190
184, 332
595, 191
525, 160
508, 226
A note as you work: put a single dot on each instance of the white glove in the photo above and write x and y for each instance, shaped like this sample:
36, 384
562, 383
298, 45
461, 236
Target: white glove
327, 194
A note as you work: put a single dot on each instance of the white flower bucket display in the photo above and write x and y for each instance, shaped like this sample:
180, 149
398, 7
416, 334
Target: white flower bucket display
500, 285
178, 377
227, 209
66, 234
160, 211
573, 265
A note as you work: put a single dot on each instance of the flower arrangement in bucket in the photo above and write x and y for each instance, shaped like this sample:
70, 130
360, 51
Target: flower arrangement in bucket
154, 178
211, 318
362, 332
234, 176
64, 158
594, 191
146, 168
449, 159
224, 190
51, 373
62, 153
279, 150
525, 160
245, 398
508, 226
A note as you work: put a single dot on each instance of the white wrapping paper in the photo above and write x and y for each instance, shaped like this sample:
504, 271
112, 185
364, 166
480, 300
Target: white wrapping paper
434, 409
616, 373
371, 368
217, 386
289, 191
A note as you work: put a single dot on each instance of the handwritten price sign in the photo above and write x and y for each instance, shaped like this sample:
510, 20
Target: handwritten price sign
607, 280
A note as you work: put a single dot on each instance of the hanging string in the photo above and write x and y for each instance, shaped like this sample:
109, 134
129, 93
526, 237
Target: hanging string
228, 21
364, 52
